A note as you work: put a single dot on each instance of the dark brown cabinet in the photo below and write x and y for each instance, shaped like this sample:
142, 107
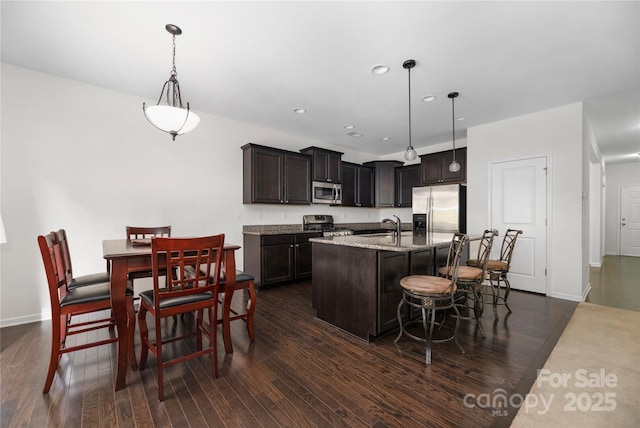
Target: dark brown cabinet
407, 177
326, 164
274, 176
357, 185
275, 259
384, 182
392, 267
435, 167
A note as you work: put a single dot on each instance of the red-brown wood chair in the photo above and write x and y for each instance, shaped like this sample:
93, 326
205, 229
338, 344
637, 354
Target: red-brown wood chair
182, 293
136, 233
78, 281
66, 303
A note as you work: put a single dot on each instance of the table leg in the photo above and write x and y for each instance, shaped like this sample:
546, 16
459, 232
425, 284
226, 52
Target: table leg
118, 306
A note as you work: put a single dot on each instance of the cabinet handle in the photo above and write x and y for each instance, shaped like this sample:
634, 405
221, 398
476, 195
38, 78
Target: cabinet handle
329, 180
286, 202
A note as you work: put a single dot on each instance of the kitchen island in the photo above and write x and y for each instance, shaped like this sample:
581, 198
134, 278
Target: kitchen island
356, 279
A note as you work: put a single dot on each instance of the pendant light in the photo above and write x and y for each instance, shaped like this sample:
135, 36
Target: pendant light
171, 117
454, 166
410, 154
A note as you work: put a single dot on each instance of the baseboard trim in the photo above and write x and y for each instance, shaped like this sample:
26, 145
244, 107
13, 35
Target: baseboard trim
564, 296
595, 265
9, 322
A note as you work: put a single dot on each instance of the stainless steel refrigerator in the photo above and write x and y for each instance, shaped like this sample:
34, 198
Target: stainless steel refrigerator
440, 209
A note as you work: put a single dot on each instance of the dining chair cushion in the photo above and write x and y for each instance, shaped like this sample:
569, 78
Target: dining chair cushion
426, 284
494, 265
91, 279
147, 295
87, 294
465, 273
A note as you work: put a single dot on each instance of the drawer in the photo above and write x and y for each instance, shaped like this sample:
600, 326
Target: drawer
277, 239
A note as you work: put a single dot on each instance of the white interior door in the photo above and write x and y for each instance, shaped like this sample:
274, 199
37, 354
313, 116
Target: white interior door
519, 201
630, 221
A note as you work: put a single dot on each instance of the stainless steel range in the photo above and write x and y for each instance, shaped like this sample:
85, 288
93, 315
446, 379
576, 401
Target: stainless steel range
324, 223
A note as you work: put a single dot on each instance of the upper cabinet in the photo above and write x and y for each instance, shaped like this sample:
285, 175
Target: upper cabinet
326, 164
435, 167
274, 176
357, 185
384, 182
407, 177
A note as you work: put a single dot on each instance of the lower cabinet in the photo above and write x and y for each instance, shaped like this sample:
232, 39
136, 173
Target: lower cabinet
276, 259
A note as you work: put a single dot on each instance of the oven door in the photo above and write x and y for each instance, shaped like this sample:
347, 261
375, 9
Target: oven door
326, 193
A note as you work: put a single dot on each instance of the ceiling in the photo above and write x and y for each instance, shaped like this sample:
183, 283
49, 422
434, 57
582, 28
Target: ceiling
257, 61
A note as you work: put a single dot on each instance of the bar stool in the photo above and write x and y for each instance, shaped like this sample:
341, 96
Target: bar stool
470, 280
431, 294
498, 270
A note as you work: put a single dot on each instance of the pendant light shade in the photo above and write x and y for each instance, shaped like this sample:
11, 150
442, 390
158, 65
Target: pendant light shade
172, 117
454, 166
410, 154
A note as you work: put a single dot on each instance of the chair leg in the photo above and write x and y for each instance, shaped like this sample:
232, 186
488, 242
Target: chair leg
199, 316
478, 305
455, 330
400, 320
251, 309
56, 343
131, 331
159, 361
428, 330
213, 341
495, 292
507, 290
144, 336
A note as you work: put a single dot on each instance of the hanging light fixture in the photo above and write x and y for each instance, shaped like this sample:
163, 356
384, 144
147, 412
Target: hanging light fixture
171, 117
410, 154
454, 166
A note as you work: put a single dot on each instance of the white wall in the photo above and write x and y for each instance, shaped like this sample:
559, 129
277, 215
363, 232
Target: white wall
617, 175
556, 133
84, 158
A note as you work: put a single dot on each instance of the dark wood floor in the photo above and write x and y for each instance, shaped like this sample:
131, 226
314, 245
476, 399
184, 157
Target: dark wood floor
300, 372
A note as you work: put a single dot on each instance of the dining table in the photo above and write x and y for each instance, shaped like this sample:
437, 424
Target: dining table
125, 256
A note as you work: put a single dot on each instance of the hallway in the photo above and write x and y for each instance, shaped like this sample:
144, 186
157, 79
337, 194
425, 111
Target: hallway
616, 283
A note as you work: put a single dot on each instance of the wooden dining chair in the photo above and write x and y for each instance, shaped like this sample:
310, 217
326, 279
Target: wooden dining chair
81, 300
183, 293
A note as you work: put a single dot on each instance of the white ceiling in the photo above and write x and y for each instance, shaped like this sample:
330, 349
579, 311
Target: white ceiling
257, 61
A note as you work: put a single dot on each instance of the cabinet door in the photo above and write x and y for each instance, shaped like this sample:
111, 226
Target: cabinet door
431, 166
454, 177
297, 179
334, 168
407, 177
392, 267
303, 260
277, 263
267, 177
320, 161
365, 187
349, 182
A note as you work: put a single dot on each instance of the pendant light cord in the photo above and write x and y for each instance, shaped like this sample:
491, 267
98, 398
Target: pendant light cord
453, 126
410, 145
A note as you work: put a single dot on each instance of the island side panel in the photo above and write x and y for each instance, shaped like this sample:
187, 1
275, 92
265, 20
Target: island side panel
344, 287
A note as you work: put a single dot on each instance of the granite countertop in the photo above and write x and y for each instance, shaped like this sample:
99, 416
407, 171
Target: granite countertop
279, 229
385, 241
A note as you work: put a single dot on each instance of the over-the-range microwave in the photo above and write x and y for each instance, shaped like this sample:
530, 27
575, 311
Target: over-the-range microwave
326, 193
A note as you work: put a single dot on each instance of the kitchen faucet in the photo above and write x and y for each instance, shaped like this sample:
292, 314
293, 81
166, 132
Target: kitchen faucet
397, 233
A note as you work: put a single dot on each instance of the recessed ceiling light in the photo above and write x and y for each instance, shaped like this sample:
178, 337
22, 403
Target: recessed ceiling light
299, 110
354, 134
428, 98
380, 69
461, 118
349, 127
385, 138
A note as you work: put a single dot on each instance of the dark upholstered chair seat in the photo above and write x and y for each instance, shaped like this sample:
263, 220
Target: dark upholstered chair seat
465, 273
94, 278
88, 294
175, 301
426, 284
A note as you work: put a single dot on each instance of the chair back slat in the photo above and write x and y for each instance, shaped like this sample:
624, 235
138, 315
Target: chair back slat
178, 254
484, 250
509, 242
458, 242
135, 232
54, 267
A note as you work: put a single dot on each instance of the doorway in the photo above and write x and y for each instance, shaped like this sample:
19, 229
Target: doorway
629, 225
518, 200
